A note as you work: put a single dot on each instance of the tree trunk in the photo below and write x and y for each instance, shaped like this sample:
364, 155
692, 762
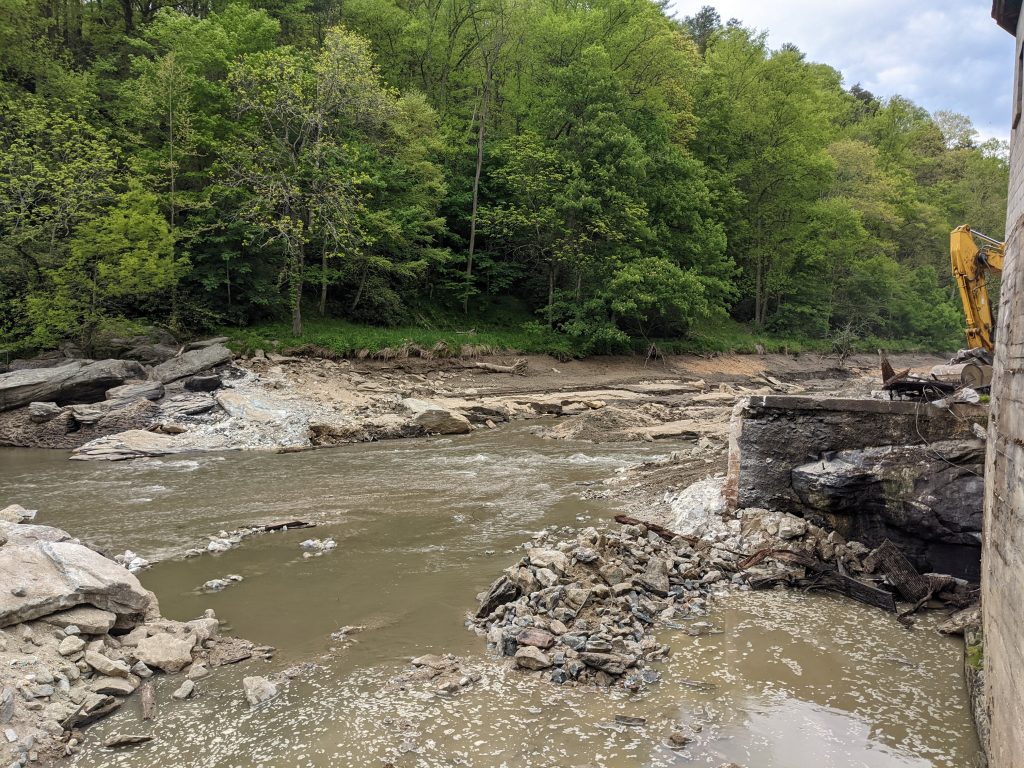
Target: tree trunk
296, 280
359, 290
757, 294
129, 16
323, 282
476, 186
552, 276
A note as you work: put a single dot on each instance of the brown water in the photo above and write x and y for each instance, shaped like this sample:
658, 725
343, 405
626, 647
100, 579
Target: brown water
793, 680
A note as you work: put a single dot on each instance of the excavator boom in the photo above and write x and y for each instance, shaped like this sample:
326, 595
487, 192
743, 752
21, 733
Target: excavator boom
971, 263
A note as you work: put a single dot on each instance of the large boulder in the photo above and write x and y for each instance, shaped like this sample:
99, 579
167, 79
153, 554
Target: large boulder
75, 382
140, 443
192, 362
166, 651
435, 420
42, 577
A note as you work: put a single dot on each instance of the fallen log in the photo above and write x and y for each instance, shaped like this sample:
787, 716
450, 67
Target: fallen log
518, 368
835, 579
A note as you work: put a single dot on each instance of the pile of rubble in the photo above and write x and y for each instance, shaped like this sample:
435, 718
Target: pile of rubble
583, 610
79, 634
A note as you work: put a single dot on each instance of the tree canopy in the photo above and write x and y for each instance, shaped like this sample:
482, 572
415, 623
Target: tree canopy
622, 173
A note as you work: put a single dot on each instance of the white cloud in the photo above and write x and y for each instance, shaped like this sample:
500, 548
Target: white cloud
942, 54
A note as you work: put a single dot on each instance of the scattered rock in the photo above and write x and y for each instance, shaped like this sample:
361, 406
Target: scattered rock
258, 690
185, 690
166, 652
75, 382
529, 657
115, 740
192, 362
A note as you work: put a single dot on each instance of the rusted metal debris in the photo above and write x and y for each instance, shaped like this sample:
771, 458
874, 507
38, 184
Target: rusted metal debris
888, 559
906, 384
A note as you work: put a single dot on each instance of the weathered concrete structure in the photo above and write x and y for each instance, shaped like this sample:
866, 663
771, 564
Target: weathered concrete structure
870, 469
1003, 547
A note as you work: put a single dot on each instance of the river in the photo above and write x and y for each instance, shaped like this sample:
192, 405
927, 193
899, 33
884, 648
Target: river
424, 525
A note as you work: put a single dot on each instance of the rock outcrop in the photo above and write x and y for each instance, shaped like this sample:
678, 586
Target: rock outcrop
78, 381
192, 362
435, 420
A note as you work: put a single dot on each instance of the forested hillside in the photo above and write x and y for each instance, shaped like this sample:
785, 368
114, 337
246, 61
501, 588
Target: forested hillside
614, 172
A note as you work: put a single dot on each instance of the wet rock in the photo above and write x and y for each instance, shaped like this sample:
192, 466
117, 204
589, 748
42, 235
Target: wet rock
959, 622
532, 658
630, 720
611, 663
192, 362
115, 740
185, 690
436, 420
501, 592
166, 652
76, 382
198, 672
258, 690
679, 738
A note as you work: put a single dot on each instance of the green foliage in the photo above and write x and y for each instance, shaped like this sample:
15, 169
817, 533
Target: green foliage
623, 176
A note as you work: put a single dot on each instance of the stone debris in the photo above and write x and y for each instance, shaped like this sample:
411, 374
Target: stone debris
317, 547
79, 634
133, 562
259, 690
216, 585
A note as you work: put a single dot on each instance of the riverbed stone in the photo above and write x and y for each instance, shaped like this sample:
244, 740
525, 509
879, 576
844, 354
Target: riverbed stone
655, 577
15, 513
105, 665
70, 645
259, 690
89, 620
549, 558
185, 690
148, 390
436, 420
40, 413
112, 686
611, 663
57, 575
166, 652
529, 657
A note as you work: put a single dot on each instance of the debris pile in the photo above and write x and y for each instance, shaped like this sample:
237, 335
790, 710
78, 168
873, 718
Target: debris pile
583, 610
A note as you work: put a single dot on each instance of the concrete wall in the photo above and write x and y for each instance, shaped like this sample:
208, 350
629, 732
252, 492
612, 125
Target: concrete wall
1003, 545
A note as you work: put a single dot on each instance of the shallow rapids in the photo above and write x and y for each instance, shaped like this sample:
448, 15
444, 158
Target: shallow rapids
424, 525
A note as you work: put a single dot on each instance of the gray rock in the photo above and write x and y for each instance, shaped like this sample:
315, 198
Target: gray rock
112, 686
655, 578
106, 666
151, 354
612, 663
532, 658
43, 412
791, 527
75, 382
70, 645
204, 383
258, 690
549, 558
536, 637
115, 740
148, 390
187, 404
436, 420
502, 591
15, 513
90, 620
166, 652
203, 343
192, 362
6, 705
60, 575
185, 690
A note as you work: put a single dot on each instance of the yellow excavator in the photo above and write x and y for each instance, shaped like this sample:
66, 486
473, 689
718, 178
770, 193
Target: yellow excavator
973, 256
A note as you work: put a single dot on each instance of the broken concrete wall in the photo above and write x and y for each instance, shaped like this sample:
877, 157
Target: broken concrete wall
870, 469
1003, 551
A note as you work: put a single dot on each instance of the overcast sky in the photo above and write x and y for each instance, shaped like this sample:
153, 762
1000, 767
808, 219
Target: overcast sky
942, 54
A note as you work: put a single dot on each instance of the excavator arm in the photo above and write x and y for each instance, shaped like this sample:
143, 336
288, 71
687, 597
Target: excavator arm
971, 263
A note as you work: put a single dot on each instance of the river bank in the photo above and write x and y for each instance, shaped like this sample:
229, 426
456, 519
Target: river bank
424, 525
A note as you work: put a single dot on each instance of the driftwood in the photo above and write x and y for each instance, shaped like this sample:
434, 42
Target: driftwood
278, 525
827, 576
518, 368
888, 559
147, 694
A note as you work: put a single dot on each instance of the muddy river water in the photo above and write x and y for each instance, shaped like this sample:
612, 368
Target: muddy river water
424, 525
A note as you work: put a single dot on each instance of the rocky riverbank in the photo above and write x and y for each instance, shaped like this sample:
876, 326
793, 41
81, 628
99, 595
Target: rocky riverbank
199, 397
79, 634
